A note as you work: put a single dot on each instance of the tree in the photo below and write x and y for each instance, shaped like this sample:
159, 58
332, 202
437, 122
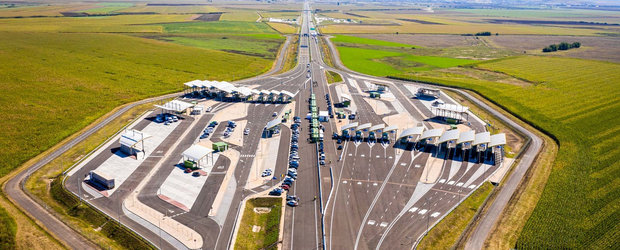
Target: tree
564, 46
576, 45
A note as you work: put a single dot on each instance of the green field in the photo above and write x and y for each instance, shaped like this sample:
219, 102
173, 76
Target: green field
577, 102
228, 27
269, 224
104, 8
367, 41
247, 45
385, 63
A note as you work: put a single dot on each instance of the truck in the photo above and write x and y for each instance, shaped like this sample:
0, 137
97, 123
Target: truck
358, 135
101, 179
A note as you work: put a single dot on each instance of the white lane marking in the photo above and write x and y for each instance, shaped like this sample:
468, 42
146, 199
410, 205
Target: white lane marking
413, 209
459, 184
435, 214
417, 166
345, 182
451, 183
359, 183
374, 184
378, 156
403, 164
383, 224
471, 186
362, 155
442, 181
371, 222
423, 211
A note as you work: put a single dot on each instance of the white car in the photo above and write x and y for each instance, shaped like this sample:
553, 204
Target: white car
275, 114
246, 131
267, 172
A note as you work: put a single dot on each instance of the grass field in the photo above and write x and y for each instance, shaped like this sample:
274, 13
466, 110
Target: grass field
247, 45
445, 234
367, 41
228, 27
384, 63
267, 235
577, 103
332, 77
283, 28
104, 8
171, 9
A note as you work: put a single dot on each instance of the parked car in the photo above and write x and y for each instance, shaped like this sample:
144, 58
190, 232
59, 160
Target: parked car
196, 174
267, 172
291, 197
275, 114
339, 147
352, 117
285, 187
246, 131
276, 192
322, 162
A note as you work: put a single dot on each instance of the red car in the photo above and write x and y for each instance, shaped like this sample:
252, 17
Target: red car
285, 187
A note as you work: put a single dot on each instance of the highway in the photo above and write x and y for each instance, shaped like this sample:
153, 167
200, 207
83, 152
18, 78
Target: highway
375, 199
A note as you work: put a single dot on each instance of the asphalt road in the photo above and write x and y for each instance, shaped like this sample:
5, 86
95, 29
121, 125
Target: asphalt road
378, 180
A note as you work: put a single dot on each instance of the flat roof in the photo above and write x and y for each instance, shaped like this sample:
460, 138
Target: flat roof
131, 137
390, 128
498, 140
452, 108
273, 123
411, 132
450, 135
467, 136
323, 113
264, 92
432, 133
196, 152
482, 138
376, 127
275, 92
175, 105
348, 126
345, 96
256, 92
363, 126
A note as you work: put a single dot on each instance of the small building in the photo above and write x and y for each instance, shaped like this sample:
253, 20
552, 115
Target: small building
197, 156
323, 116
375, 94
220, 146
428, 92
345, 100
100, 179
197, 110
272, 127
132, 142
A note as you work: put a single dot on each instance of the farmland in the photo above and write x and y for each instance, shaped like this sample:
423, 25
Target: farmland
229, 27
247, 45
576, 103
385, 63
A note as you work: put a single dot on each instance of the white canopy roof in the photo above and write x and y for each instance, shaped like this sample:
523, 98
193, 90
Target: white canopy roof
131, 137
256, 92
411, 132
450, 135
377, 127
291, 95
498, 140
482, 138
467, 136
363, 126
196, 152
244, 91
205, 84
348, 126
432, 133
273, 123
323, 113
390, 128
175, 105
264, 92
194, 83
275, 92
345, 96
453, 108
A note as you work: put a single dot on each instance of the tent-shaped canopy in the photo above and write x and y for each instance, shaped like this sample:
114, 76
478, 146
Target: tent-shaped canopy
271, 124
196, 153
417, 131
467, 136
433, 133
349, 126
175, 105
131, 137
376, 127
450, 135
390, 128
498, 140
363, 126
482, 138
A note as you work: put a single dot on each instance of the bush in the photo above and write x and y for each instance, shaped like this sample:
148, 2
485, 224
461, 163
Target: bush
484, 33
561, 46
7, 230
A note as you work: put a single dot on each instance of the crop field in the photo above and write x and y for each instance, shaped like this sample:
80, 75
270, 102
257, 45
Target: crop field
283, 28
172, 9
265, 48
228, 27
367, 41
260, 230
103, 8
42, 10
577, 103
237, 15
385, 63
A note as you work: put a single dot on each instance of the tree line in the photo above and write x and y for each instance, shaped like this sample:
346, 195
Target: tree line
561, 46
